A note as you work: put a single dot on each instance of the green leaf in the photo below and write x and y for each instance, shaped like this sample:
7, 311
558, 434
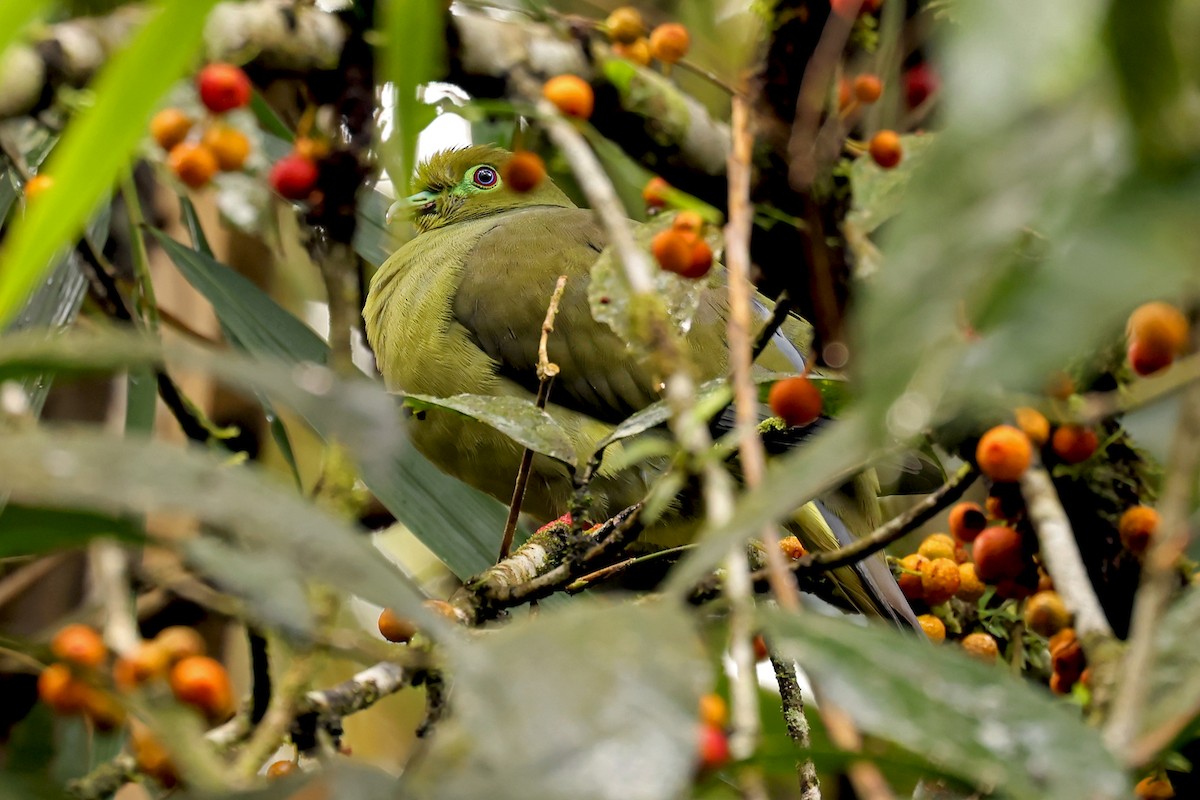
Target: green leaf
273, 589
97, 145
594, 702
1175, 682
248, 315
461, 525
28, 531
373, 240
972, 720
85, 469
13, 19
412, 54
878, 194
518, 419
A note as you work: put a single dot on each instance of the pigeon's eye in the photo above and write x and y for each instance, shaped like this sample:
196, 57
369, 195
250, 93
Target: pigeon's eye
485, 177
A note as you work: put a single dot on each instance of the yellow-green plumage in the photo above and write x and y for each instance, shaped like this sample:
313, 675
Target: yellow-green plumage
458, 309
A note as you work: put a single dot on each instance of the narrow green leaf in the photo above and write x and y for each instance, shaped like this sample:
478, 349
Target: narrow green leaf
596, 703
268, 119
412, 54
98, 144
14, 16
519, 420
972, 720
249, 316
28, 530
191, 221
85, 469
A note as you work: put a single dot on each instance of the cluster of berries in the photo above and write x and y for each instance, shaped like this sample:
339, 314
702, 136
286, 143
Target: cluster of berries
681, 248
86, 680
626, 30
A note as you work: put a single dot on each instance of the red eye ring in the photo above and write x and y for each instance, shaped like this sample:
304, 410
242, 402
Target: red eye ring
485, 177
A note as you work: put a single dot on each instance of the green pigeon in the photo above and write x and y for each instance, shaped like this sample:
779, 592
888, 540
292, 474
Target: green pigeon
459, 308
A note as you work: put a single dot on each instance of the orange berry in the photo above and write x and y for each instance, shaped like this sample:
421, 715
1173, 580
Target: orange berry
970, 588
180, 642
1074, 444
524, 171
713, 710
700, 260
396, 628
169, 127
885, 149
223, 87
1060, 684
669, 42
281, 769
1033, 424
1004, 453
868, 88
654, 193
202, 682
37, 185
60, 690
310, 148
761, 653
797, 401
1146, 359
967, 521
151, 757
939, 580
934, 628
792, 547
147, 662
1045, 582
625, 25
672, 250
998, 554
981, 646
1137, 527
1066, 655
1160, 326
80, 645
688, 222
1153, 787
846, 8
713, 748
1046, 613
909, 576
637, 51
228, 144
294, 177
194, 164
937, 545
571, 94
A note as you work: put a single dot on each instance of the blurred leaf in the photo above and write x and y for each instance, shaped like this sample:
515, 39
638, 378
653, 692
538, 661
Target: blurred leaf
97, 145
28, 531
412, 54
341, 780
13, 19
85, 469
878, 194
829, 458
594, 702
372, 238
518, 419
1175, 683
249, 317
1008, 736
272, 588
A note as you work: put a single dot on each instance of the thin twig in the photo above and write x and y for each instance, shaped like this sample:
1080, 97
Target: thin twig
797, 725
15, 584
783, 307
1061, 554
892, 530
1159, 577
110, 572
1098, 406
546, 370
612, 570
285, 700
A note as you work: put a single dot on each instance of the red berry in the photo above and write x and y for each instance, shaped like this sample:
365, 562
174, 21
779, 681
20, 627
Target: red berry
920, 83
1074, 444
223, 87
294, 177
998, 555
714, 747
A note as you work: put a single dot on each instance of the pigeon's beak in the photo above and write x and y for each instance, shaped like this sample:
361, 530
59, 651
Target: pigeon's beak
419, 203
